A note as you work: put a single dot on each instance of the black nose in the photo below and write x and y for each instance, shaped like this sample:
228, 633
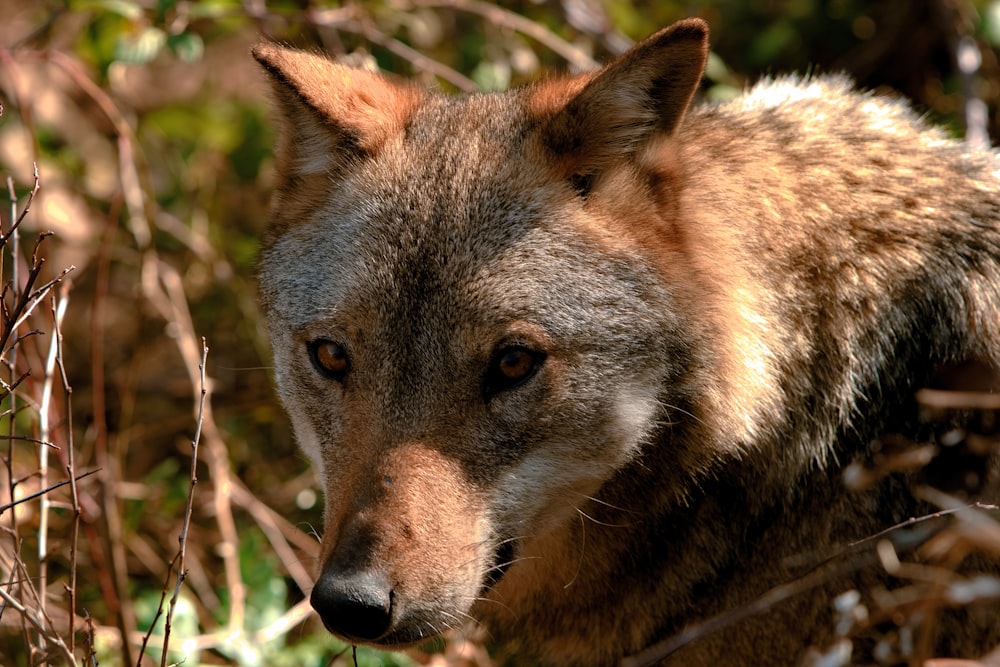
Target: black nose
355, 606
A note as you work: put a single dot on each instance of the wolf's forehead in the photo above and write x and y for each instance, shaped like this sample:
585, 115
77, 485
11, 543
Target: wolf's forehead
403, 247
454, 123
456, 185
454, 141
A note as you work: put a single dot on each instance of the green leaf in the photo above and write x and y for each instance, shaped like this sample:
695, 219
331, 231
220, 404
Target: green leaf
188, 46
142, 48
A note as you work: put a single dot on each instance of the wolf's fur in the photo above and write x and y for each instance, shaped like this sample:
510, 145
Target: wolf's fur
711, 311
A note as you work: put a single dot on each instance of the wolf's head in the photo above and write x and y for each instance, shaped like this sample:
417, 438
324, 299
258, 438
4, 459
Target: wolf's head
471, 327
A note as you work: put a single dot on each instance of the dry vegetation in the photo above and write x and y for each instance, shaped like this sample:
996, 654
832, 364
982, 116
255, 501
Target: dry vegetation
153, 508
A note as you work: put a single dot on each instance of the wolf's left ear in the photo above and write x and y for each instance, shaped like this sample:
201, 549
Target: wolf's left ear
330, 115
593, 121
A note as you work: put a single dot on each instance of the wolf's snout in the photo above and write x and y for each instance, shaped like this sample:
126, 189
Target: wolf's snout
356, 606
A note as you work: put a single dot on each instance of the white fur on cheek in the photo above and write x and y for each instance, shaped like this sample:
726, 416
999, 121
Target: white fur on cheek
547, 486
636, 408
307, 438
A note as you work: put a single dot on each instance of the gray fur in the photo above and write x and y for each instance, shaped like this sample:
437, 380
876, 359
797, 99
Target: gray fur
733, 305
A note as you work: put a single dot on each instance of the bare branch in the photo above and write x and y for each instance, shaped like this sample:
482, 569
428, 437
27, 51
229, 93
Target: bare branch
577, 59
182, 539
4, 237
366, 28
36, 622
51, 487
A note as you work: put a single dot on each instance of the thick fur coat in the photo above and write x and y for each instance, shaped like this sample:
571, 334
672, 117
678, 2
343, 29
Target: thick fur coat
584, 364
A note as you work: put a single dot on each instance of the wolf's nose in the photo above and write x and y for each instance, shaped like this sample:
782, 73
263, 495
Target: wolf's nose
355, 606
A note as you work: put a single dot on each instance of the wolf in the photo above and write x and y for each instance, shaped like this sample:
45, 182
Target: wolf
584, 362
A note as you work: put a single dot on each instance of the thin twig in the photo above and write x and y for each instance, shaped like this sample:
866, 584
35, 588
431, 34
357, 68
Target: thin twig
7, 388
367, 29
212, 640
10, 358
44, 430
36, 441
42, 628
182, 539
9, 355
39, 621
577, 59
13, 319
52, 487
284, 623
179, 558
5, 236
91, 648
60, 315
148, 635
38, 295
165, 289
17, 341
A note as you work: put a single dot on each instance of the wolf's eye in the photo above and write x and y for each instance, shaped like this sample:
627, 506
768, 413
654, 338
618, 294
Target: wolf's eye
511, 366
329, 358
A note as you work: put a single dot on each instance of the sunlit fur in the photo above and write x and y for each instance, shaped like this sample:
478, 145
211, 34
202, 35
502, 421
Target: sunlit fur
731, 303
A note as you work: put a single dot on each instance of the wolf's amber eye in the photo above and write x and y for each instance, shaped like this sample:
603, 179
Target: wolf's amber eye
511, 366
329, 358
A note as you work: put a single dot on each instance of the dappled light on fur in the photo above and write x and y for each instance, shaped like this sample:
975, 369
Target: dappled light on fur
651, 339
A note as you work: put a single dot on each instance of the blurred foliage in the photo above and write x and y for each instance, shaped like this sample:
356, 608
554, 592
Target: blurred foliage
149, 123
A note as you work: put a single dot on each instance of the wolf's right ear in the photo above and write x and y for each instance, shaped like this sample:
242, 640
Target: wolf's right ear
330, 115
593, 121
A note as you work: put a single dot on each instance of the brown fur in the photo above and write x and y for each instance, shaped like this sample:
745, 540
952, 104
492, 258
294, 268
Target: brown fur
608, 354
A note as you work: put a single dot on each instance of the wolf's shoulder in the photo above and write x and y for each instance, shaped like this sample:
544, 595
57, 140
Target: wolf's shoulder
827, 102
782, 91
827, 119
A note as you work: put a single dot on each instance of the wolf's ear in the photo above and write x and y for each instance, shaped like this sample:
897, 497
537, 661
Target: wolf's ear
329, 115
596, 120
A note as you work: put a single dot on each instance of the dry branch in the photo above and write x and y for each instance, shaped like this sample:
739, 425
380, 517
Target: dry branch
577, 59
